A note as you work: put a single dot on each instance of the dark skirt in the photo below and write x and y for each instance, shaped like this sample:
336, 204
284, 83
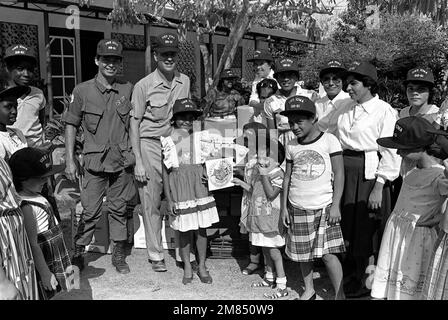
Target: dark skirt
359, 223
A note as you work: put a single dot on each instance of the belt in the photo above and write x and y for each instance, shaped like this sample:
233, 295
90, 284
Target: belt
353, 153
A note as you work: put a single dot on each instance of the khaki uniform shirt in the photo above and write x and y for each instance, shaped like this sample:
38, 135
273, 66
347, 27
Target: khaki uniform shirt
153, 99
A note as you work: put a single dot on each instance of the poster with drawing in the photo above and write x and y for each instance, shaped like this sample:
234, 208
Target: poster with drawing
220, 173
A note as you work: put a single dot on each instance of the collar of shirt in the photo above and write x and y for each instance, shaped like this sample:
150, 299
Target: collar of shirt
102, 88
160, 79
369, 106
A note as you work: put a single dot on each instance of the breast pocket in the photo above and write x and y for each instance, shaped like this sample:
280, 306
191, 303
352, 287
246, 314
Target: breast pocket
92, 117
123, 112
159, 110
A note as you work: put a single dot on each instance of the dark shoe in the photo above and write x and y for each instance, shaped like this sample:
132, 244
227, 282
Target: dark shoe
361, 292
119, 257
251, 268
313, 297
159, 266
207, 279
78, 257
186, 280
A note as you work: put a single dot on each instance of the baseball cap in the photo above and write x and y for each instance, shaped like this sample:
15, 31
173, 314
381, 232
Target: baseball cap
33, 163
20, 50
420, 75
167, 42
364, 69
228, 74
14, 92
299, 104
286, 64
261, 55
109, 47
333, 65
409, 133
186, 105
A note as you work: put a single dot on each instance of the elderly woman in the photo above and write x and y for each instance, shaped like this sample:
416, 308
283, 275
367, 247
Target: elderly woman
369, 169
223, 101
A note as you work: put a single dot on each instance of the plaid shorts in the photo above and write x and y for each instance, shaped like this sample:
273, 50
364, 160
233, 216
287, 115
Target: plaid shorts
309, 235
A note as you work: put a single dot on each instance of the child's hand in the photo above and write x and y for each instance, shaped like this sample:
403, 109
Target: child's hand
262, 170
285, 218
237, 181
49, 282
172, 211
335, 216
445, 164
8, 291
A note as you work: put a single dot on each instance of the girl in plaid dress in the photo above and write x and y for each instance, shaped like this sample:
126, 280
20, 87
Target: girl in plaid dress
31, 167
313, 185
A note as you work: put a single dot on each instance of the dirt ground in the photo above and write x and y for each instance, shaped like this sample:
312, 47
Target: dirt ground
100, 281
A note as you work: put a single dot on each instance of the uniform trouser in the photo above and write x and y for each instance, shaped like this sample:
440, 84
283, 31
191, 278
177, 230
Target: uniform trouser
151, 198
118, 188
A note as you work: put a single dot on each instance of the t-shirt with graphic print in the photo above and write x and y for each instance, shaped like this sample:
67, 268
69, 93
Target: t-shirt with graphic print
311, 185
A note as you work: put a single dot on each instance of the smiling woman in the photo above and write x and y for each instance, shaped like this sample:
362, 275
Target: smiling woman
369, 169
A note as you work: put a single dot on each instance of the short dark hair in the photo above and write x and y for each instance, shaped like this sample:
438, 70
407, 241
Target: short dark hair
366, 82
432, 90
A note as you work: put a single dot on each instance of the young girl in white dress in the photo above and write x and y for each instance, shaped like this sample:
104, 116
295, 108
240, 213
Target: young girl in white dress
191, 206
409, 236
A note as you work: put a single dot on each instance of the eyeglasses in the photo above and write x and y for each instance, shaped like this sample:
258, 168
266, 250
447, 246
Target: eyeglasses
327, 80
266, 85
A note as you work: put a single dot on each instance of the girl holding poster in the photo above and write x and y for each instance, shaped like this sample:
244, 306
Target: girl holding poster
191, 207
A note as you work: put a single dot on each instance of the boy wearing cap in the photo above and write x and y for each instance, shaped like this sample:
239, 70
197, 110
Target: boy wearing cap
152, 109
369, 169
287, 75
263, 63
331, 79
21, 65
223, 101
313, 186
410, 232
11, 139
101, 106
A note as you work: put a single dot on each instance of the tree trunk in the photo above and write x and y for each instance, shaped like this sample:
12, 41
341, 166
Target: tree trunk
236, 34
207, 58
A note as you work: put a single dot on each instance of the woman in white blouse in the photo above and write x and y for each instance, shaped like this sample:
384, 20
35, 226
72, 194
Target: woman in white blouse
369, 169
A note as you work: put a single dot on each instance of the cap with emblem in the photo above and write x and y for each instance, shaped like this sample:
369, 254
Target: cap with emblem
13, 92
32, 163
423, 75
263, 55
286, 65
334, 66
167, 42
186, 105
228, 74
299, 104
409, 133
108, 47
362, 68
20, 50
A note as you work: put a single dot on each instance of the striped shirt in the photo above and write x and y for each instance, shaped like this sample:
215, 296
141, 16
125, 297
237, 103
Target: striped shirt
9, 199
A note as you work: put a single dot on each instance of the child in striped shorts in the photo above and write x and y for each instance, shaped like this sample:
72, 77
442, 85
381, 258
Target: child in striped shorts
312, 190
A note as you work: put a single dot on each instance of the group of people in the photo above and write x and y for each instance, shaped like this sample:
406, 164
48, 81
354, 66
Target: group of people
322, 184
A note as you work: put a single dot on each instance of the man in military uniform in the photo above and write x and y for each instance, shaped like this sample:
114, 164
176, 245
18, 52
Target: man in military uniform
152, 109
101, 107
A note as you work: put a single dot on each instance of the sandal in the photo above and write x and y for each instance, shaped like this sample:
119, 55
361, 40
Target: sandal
280, 293
248, 271
264, 283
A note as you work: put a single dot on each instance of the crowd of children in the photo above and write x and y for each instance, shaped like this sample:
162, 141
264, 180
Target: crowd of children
318, 189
